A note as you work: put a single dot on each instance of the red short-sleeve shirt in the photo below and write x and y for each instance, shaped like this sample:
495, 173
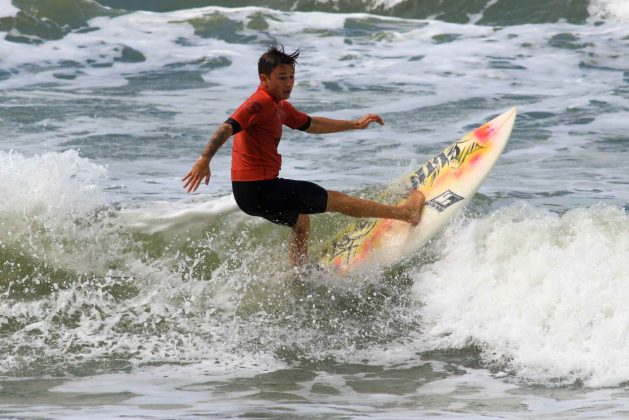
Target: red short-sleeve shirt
258, 127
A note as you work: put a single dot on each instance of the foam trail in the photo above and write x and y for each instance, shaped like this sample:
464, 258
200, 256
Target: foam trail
178, 216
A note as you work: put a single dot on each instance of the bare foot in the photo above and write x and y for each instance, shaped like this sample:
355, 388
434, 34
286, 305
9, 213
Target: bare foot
415, 204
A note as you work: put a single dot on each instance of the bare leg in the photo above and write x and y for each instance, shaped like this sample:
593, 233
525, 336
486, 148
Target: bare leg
298, 245
410, 211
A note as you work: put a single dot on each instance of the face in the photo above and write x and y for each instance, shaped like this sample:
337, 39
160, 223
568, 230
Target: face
280, 82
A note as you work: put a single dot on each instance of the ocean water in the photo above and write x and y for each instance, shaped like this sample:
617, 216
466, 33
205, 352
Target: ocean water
123, 296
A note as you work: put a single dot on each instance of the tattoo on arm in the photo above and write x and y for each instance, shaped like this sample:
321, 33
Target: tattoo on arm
220, 136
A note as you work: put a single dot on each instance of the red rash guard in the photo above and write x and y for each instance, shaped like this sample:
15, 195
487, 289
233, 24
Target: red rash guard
257, 124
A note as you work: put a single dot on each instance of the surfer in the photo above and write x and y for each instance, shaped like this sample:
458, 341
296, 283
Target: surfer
258, 190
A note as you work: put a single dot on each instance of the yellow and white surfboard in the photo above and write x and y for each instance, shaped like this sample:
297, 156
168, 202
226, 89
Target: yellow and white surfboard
447, 181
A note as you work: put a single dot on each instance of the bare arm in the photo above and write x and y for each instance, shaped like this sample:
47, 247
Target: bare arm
201, 168
322, 125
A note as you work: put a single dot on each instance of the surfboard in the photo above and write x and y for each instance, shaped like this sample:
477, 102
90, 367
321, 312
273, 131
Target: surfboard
448, 181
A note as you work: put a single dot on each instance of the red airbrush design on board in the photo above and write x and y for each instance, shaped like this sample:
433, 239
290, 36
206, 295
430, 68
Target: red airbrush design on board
484, 133
474, 159
378, 233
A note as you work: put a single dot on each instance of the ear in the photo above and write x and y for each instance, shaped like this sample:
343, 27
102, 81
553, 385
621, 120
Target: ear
264, 79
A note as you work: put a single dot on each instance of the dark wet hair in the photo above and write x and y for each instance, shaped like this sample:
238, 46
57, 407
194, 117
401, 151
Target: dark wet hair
274, 57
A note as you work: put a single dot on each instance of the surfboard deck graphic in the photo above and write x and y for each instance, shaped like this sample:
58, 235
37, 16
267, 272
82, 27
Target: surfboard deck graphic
448, 181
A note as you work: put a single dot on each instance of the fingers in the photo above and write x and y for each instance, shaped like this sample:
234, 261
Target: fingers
369, 118
187, 180
195, 182
194, 178
377, 118
190, 185
195, 185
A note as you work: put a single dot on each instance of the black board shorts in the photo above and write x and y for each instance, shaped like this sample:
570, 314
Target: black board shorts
280, 200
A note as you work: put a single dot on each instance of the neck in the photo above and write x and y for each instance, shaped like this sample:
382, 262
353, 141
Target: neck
269, 93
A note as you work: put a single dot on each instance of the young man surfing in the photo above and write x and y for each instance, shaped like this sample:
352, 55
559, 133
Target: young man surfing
258, 190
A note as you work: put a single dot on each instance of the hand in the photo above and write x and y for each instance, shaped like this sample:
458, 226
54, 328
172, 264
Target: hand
199, 171
365, 120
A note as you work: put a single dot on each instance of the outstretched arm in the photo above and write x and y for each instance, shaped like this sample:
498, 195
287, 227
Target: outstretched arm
201, 169
322, 125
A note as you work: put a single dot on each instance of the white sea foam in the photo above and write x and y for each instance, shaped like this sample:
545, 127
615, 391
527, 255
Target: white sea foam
182, 281
50, 213
542, 294
74, 260
7, 8
195, 389
51, 185
448, 71
153, 34
367, 4
610, 9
